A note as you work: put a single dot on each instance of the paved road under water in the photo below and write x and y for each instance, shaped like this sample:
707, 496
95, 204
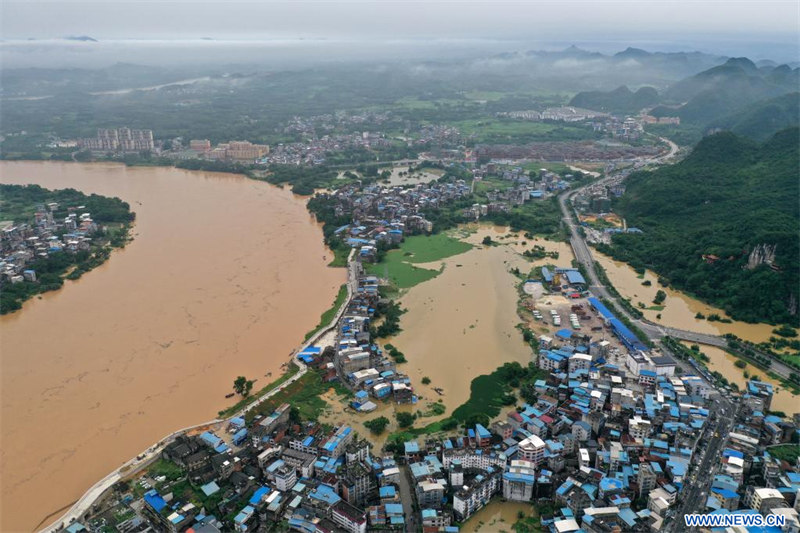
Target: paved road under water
223, 277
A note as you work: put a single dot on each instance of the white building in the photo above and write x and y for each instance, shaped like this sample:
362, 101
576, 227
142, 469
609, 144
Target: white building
532, 449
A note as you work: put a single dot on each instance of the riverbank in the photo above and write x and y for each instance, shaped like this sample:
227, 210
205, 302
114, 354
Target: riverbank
139, 347
42, 259
678, 310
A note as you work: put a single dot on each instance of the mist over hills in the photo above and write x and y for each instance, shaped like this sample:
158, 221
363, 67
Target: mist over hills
751, 99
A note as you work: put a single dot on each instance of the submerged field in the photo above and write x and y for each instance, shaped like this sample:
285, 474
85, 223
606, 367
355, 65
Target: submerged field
399, 267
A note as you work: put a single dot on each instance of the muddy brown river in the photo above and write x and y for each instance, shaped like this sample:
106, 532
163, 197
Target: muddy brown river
224, 277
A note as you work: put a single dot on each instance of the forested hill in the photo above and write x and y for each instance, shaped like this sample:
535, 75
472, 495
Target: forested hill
711, 221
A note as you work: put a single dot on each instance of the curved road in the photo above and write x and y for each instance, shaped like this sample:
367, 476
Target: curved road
583, 255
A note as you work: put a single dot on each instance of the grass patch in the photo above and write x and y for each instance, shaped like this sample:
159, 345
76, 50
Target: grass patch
398, 267
303, 394
328, 315
340, 255
786, 452
165, 468
425, 249
241, 404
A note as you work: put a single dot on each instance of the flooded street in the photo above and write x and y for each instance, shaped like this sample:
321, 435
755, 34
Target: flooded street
497, 516
679, 309
724, 363
224, 277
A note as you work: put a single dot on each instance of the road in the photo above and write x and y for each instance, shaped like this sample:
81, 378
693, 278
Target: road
583, 255
144, 459
693, 498
407, 498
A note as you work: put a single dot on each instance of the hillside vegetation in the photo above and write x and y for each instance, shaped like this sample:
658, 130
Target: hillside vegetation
703, 217
620, 100
752, 101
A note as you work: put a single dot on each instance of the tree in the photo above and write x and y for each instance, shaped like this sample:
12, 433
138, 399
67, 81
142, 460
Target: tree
660, 297
404, 420
377, 425
239, 384
248, 386
294, 415
487, 241
528, 392
426, 380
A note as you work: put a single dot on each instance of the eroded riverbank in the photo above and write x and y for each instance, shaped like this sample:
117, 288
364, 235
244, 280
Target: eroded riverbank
224, 276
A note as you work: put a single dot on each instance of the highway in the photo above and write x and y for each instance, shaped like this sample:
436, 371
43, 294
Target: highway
697, 486
655, 331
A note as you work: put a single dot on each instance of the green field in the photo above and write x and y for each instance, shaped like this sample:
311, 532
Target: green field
492, 130
304, 395
425, 249
398, 267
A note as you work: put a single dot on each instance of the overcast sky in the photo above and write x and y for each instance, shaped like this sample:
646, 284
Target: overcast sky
562, 21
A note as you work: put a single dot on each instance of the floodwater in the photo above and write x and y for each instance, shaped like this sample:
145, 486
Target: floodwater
462, 323
723, 362
497, 516
224, 277
679, 309
420, 176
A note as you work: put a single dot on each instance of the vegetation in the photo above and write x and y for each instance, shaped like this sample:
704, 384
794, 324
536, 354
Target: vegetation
247, 400
488, 393
390, 311
737, 196
18, 203
785, 452
620, 100
304, 394
398, 264
377, 425
328, 315
404, 419
242, 385
737, 96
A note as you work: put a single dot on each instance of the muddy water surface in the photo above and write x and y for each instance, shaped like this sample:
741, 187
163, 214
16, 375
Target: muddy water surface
462, 323
724, 363
679, 309
224, 278
497, 517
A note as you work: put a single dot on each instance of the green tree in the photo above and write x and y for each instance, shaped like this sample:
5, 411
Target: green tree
404, 420
239, 385
377, 425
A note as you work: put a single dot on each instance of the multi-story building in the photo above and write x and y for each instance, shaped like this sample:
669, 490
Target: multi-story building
638, 428
122, 139
532, 449
349, 518
763, 499
518, 481
201, 145
285, 478
472, 497
430, 493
